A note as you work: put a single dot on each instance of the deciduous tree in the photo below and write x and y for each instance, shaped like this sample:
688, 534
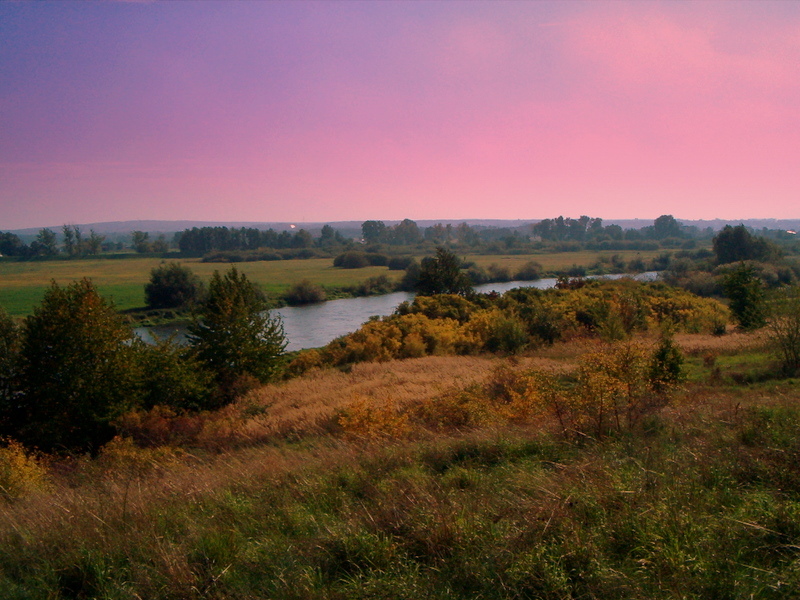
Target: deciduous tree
441, 274
77, 369
234, 336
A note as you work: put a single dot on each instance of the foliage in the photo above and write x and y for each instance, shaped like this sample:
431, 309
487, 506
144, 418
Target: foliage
140, 241
666, 365
21, 472
78, 370
734, 244
10, 344
442, 275
172, 376
198, 241
746, 295
530, 271
234, 336
45, 243
305, 292
783, 328
172, 285
354, 259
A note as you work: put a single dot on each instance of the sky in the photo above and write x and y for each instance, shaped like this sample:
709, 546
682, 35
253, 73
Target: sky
332, 111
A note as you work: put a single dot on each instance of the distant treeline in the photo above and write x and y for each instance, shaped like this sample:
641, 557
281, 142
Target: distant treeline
561, 234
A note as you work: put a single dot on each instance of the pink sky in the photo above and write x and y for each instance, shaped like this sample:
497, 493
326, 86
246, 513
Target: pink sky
269, 111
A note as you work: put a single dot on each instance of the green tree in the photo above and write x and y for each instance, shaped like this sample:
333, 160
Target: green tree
93, 243
45, 243
78, 370
746, 295
140, 241
373, 231
734, 244
172, 285
441, 274
666, 226
10, 343
70, 245
234, 336
172, 376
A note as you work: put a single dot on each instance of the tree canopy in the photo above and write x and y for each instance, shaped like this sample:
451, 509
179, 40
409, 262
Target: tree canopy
78, 369
234, 336
441, 274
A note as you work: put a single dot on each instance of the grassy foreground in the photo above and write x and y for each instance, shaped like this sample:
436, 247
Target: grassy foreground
23, 284
285, 495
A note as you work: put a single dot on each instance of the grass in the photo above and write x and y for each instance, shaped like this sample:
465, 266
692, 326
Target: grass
700, 499
24, 283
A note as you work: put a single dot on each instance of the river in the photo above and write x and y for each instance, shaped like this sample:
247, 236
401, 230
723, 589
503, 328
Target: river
315, 325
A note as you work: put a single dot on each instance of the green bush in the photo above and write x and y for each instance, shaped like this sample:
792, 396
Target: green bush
746, 295
172, 285
305, 292
353, 259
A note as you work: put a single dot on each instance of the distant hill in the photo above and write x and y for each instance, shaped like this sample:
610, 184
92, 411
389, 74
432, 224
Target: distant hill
167, 227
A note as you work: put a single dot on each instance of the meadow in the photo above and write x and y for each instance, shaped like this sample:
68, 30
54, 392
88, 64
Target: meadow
309, 489
22, 284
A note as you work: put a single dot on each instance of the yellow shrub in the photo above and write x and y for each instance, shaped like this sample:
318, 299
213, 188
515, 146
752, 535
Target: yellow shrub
122, 457
20, 472
370, 419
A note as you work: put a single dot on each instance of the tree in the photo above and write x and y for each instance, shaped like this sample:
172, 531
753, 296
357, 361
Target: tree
746, 295
373, 231
666, 226
442, 275
78, 370
172, 285
234, 336
140, 241
94, 242
734, 244
45, 243
70, 246
11, 245
160, 244
10, 343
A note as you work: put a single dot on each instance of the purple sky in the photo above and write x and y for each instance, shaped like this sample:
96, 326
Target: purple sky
303, 111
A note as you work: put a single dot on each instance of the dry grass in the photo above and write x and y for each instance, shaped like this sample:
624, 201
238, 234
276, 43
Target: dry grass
308, 404
731, 343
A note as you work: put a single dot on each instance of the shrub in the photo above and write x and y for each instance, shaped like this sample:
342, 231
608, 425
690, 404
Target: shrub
784, 328
372, 286
353, 259
172, 285
305, 292
20, 471
399, 263
746, 295
666, 365
530, 271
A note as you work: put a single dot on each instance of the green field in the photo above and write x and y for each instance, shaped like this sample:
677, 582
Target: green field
23, 284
